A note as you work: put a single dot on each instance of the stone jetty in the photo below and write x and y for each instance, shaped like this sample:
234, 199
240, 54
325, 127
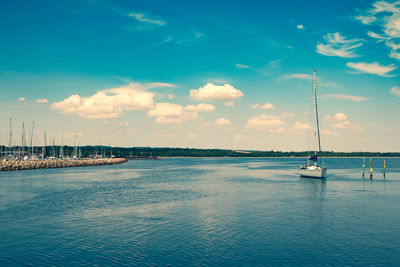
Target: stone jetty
13, 165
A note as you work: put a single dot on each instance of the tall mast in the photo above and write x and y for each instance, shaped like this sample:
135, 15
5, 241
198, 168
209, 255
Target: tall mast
45, 144
75, 148
23, 138
316, 111
31, 145
62, 143
10, 139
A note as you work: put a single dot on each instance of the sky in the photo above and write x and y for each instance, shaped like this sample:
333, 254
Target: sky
202, 74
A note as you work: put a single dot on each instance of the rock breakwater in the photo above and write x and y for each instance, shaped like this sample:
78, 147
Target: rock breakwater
13, 165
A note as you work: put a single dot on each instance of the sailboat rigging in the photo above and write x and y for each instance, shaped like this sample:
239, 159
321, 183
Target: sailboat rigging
314, 170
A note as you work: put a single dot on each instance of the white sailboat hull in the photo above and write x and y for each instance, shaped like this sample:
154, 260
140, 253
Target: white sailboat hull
312, 172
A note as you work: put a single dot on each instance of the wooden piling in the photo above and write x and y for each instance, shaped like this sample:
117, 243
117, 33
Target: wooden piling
363, 166
384, 168
370, 169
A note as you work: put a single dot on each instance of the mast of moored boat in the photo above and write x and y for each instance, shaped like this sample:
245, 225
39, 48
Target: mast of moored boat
316, 117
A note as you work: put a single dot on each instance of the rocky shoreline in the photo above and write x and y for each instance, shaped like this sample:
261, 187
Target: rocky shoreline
13, 165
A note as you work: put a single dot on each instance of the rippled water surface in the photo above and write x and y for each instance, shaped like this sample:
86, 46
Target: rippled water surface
227, 211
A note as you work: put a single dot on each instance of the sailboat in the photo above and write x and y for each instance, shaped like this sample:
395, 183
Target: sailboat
314, 168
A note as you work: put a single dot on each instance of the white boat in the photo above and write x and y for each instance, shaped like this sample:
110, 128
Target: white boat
314, 168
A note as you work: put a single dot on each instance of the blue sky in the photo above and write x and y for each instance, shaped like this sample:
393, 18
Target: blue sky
221, 74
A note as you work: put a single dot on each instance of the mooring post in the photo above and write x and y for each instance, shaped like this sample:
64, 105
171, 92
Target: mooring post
384, 168
363, 167
370, 168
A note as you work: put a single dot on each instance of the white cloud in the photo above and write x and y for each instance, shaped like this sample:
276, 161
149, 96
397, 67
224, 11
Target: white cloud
395, 91
395, 47
341, 125
42, 101
265, 106
372, 68
170, 113
366, 19
340, 117
109, 103
21, 99
241, 66
300, 27
337, 45
229, 104
300, 76
142, 18
166, 109
340, 121
222, 121
238, 137
211, 91
288, 115
346, 97
200, 107
303, 76
124, 123
265, 121
385, 15
301, 126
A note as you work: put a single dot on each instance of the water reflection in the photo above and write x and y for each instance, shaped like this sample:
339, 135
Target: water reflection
315, 190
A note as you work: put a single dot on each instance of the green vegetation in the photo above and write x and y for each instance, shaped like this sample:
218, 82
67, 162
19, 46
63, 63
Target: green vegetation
191, 152
146, 152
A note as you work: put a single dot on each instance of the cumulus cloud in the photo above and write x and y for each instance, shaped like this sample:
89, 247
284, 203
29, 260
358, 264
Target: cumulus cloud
338, 46
346, 97
200, 107
171, 113
372, 68
241, 66
340, 121
211, 91
340, 117
395, 91
265, 121
301, 126
21, 99
300, 27
229, 104
109, 103
222, 121
42, 101
264, 106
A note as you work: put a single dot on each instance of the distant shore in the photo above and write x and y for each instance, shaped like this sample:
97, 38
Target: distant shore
13, 165
272, 157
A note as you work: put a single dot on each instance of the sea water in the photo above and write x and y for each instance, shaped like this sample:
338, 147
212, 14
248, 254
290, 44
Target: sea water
202, 211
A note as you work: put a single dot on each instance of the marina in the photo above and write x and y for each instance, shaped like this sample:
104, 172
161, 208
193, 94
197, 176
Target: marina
13, 165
